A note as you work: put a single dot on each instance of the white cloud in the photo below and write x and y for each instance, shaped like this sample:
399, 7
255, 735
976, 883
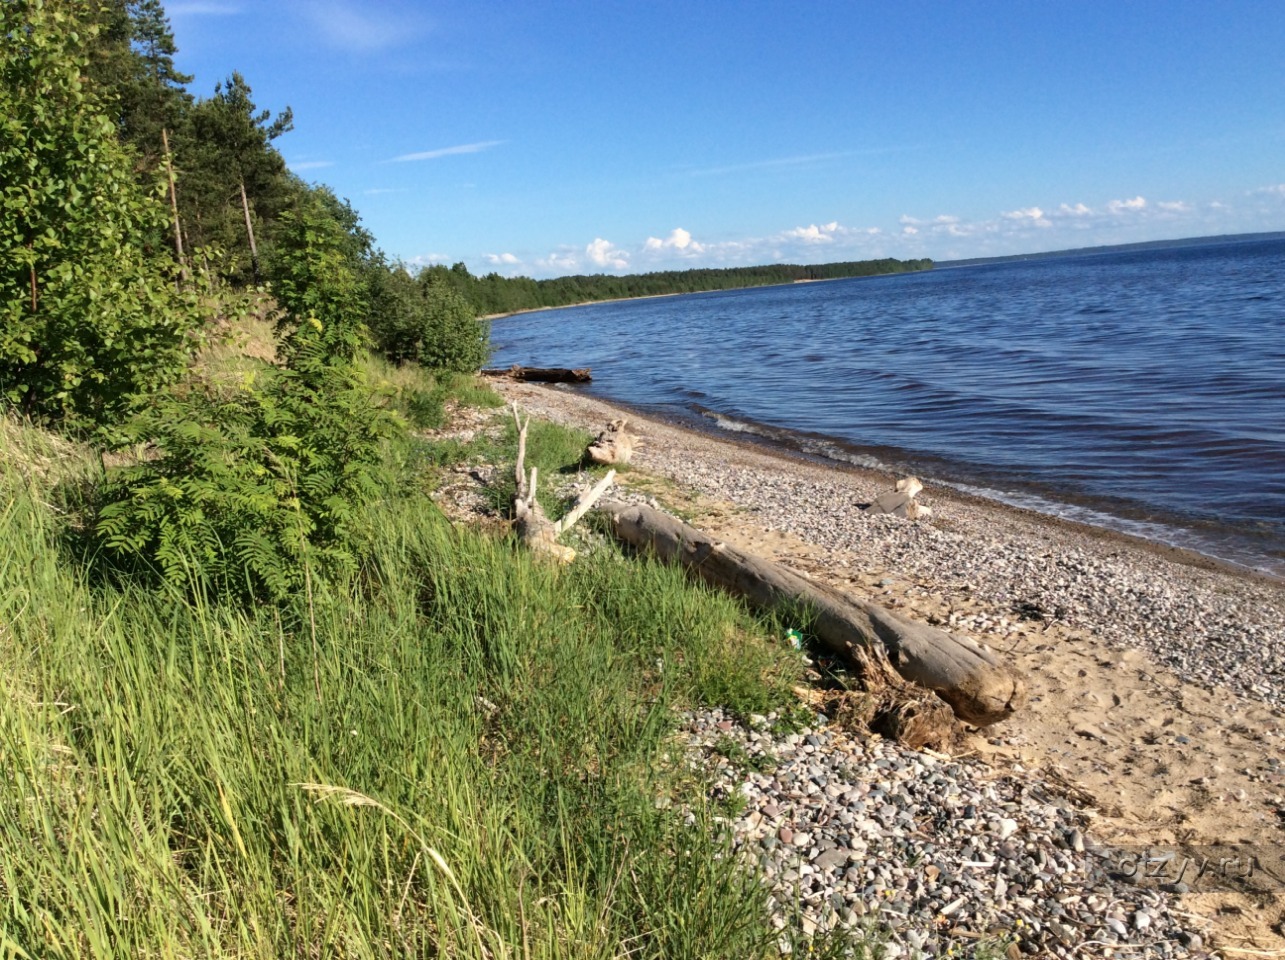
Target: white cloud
1079, 210
502, 259
601, 253
454, 151
1174, 206
909, 230
380, 191
908, 221
428, 259
562, 260
1276, 190
311, 165
1123, 206
825, 233
1034, 214
678, 239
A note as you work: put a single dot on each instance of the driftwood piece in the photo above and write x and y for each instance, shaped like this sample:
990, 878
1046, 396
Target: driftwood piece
534, 528
892, 706
980, 687
542, 374
900, 501
613, 445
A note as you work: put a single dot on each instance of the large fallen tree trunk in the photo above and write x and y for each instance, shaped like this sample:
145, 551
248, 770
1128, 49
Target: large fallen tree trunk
980, 687
542, 374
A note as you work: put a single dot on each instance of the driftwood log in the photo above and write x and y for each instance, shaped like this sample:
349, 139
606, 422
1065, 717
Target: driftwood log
542, 374
980, 687
613, 445
534, 528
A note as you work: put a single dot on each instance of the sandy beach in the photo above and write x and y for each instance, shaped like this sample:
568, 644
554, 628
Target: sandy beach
1157, 676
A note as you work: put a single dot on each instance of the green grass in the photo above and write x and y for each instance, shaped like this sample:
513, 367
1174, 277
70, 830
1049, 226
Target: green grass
421, 395
461, 755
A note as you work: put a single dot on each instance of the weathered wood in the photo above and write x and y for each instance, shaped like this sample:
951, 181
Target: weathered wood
536, 530
980, 687
900, 501
613, 445
542, 374
533, 527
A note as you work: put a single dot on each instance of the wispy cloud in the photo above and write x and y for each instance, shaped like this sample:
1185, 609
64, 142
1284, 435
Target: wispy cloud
428, 259
454, 151
1028, 215
1276, 190
502, 259
381, 191
310, 165
776, 163
361, 27
196, 8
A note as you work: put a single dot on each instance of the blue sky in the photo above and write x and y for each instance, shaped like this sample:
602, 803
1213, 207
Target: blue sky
544, 138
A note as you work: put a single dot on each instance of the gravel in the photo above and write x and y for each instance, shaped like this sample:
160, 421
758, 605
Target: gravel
931, 854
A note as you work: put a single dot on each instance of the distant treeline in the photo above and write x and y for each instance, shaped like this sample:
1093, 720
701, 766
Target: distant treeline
494, 294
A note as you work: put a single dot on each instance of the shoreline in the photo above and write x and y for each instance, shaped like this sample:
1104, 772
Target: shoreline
1157, 675
765, 445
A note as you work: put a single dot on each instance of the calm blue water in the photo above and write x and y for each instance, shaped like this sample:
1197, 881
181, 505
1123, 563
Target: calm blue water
1143, 391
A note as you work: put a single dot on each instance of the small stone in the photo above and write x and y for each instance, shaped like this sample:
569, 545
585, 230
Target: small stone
1006, 827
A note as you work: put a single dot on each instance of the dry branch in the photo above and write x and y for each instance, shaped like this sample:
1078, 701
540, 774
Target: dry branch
980, 687
535, 529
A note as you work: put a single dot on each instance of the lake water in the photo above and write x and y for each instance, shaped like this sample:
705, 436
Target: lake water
1143, 391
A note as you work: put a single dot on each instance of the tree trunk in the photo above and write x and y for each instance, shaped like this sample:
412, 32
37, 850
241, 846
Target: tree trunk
249, 232
980, 687
178, 231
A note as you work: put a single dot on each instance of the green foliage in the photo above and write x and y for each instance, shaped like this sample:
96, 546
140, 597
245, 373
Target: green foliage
252, 490
89, 317
317, 277
426, 322
257, 489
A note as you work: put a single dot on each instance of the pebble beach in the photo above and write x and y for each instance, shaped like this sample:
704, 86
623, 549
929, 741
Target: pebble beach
1155, 720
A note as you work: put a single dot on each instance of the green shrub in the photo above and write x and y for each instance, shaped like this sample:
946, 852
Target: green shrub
254, 490
427, 323
259, 488
89, 317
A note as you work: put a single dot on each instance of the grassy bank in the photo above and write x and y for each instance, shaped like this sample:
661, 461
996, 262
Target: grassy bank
463, 753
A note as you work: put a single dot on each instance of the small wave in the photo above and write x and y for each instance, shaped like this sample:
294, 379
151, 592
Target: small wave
815, 446
1172, 536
